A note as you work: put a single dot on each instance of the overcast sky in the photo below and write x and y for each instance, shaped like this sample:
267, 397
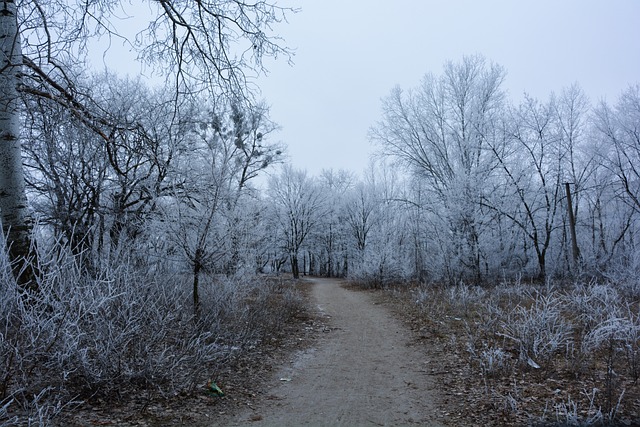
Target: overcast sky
350, 54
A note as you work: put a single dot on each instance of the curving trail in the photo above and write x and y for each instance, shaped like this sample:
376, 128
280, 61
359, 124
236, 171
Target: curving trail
362, 371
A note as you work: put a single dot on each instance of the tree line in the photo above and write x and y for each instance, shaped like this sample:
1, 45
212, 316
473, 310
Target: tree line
494, 180
468, 186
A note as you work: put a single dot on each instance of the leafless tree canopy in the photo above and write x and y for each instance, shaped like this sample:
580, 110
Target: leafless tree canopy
203, 45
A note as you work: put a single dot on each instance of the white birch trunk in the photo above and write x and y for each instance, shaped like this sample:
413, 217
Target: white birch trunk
14, 211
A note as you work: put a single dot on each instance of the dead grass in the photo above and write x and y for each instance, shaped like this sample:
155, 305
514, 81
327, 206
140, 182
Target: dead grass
124, 341
529, 354
242, 378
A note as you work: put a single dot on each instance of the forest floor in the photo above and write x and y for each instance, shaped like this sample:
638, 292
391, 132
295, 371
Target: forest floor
356, 357
347, 361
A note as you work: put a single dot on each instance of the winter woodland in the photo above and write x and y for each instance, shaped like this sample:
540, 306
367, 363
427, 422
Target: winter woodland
132, 211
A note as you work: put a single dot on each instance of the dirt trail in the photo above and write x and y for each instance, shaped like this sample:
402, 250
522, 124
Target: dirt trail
361, 372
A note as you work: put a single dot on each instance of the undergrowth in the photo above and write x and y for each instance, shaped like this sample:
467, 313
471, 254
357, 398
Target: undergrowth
538, 354
120, 330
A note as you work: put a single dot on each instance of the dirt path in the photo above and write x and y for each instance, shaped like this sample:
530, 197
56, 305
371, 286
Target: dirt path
361, 372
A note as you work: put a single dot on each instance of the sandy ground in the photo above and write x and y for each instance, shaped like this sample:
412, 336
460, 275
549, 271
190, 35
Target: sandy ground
362, 372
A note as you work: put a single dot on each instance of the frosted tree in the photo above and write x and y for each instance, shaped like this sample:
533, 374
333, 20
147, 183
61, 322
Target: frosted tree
530, 159
377, 223
616, 205
607, 222
298, 207
543, 149
67, 172
332, 245
572, 112
619, 126
204, 45
360, 207
97, 194
243, 135
205, 213
440, 133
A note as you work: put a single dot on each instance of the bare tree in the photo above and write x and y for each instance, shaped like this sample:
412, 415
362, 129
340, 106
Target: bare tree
204, 45
299, 206
331, 247
440, 132
531, 159
619, 127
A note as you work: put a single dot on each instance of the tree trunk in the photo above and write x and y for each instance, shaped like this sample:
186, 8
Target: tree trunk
304, 264
542, 273
312, 264
575, 251
197, 267
345, 269
294, 266
14, 211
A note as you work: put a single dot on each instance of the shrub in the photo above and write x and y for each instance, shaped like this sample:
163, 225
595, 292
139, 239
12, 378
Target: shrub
120, 329
539, 330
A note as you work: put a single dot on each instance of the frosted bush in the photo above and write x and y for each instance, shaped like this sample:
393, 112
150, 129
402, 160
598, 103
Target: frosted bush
464, 296
422, 295
494, 361
377, 269
619, 336
624, 331
539, 330
509, 295
591, 304
122, 329
568, 413
625, 273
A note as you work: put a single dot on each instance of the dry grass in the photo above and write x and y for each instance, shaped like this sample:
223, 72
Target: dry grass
125, 334
520, 354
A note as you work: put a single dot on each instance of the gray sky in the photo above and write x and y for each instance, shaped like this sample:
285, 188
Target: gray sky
350, 54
